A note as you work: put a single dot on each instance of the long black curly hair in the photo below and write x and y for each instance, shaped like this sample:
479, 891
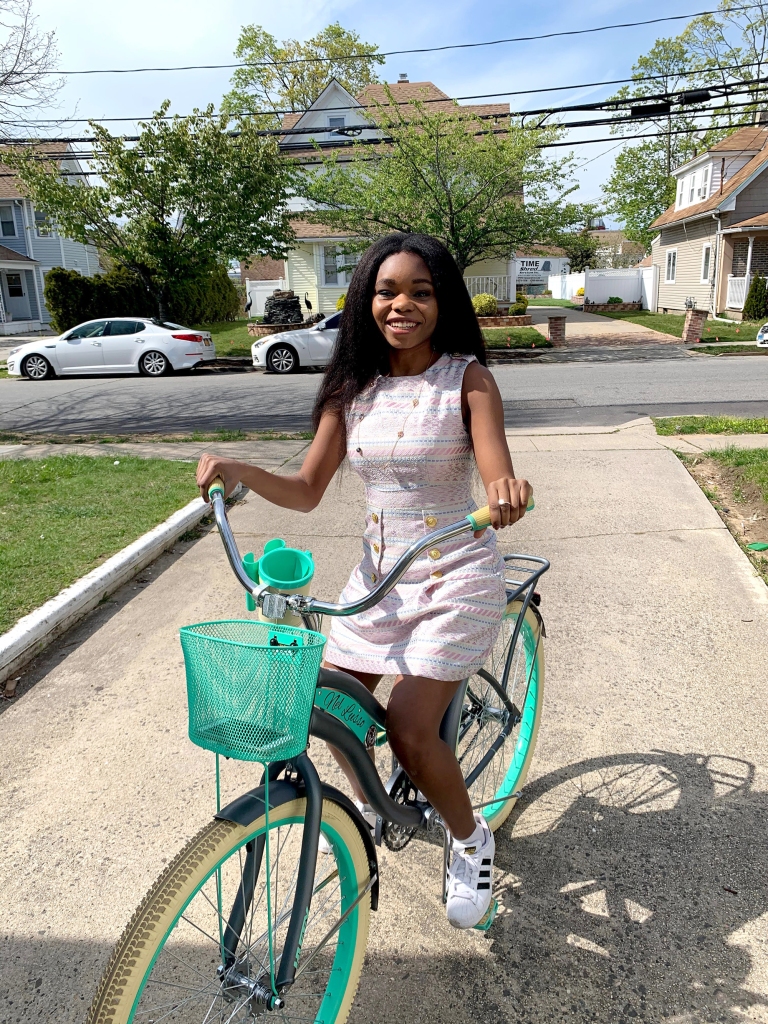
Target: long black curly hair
361, 351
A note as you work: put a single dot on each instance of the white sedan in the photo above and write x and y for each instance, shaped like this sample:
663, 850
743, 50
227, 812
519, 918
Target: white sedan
118, 345
288, 351
762, 336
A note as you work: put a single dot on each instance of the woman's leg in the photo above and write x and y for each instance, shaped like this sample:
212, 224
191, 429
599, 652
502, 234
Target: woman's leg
370, 681
414, 713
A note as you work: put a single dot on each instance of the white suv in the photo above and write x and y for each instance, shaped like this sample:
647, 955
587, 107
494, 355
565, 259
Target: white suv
288, 351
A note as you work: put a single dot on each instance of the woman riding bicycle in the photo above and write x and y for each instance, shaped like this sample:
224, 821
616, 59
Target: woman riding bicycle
408, 399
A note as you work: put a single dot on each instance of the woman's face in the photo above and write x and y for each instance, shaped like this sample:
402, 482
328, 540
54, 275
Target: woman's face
404, 303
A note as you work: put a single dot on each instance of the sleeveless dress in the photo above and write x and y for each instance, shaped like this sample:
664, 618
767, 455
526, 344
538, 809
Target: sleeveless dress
407, 440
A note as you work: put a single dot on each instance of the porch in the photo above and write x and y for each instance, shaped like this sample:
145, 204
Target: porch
749, 256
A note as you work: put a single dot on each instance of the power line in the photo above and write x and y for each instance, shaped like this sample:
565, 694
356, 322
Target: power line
400, 53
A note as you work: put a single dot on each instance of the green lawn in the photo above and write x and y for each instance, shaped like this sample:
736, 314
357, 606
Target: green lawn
543, 300
671, 323
752, 464
514, 337
231, 338
669, 425
61, 517
730, 350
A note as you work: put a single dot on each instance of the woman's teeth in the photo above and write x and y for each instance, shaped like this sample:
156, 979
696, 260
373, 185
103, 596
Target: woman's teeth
402, 325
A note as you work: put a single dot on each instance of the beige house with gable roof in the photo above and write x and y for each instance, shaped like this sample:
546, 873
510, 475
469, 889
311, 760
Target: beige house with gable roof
714, 237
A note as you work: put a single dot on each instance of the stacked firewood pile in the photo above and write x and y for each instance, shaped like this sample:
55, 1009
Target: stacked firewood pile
282, 308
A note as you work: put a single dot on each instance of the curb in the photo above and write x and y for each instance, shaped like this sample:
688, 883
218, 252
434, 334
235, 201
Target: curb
35, 631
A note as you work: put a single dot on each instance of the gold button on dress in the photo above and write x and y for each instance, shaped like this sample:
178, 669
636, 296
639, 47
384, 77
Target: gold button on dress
374, 517
431, 522
434, 553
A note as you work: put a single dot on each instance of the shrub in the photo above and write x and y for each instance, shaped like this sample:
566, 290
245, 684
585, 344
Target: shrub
614, 300
547, 292
756, 302
72, 298
340, 301
579, 291
484, 304
518, 308
522, 297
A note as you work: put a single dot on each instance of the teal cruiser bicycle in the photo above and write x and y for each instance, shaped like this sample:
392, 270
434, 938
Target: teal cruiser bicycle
249, 920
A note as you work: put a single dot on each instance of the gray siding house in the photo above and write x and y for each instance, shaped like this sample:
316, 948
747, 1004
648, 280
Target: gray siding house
30, 246
715, 235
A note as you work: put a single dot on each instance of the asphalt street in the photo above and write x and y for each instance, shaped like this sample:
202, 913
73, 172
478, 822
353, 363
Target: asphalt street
553, 394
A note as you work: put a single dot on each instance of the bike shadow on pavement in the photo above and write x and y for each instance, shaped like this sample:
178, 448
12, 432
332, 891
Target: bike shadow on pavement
632, 888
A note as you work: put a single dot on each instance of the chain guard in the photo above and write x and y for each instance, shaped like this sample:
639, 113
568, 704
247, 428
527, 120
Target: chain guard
397, 837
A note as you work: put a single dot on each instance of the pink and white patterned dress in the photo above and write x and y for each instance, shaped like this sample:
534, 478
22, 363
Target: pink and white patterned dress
407, 440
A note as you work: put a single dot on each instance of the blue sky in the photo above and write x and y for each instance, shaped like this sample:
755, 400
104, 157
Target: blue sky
134, 33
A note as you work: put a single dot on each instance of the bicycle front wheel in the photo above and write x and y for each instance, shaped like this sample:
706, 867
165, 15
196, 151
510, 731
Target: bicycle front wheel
168, 963
503, 716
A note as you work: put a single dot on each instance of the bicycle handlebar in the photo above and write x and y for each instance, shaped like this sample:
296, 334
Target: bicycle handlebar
275, 605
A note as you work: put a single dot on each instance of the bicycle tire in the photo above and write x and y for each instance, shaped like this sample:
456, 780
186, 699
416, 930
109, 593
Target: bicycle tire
125, 992
484, 715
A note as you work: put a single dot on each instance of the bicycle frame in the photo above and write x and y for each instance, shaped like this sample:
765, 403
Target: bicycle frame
350, 718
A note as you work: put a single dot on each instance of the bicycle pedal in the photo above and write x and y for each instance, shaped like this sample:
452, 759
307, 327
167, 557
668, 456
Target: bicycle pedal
485, 923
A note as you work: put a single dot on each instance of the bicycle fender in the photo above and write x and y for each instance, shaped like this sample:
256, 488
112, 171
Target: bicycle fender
247, 808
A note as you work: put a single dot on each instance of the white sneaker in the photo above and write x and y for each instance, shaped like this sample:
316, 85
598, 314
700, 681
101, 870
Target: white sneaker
470, 877
367, 812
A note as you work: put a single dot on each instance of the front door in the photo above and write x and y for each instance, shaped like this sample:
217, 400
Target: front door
16, 298
81, 350
120, 348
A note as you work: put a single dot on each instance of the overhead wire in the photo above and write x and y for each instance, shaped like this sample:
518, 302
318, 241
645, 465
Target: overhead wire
415, 50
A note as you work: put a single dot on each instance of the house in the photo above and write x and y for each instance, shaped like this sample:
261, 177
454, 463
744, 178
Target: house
615, 251
318, 270
30, 245
715, 235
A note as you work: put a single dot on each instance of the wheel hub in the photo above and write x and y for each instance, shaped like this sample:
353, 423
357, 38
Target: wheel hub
235, 986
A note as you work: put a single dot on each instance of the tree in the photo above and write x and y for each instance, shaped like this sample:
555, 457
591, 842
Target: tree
28, 59
580, 248
482, 188
270, 82
187, 197
640, 189
756, 302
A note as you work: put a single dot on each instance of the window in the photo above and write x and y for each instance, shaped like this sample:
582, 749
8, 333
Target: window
680, 192
706, 260
7, 223
692, 189
338, 266
332, 323
118, 327
669, 277
92, 330
704, 191
15, 291
336, 122
43, 226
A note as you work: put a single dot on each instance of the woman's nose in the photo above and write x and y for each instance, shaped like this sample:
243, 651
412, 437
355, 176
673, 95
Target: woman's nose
402, 302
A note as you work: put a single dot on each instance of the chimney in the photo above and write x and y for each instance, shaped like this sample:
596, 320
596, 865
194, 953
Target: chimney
402, 77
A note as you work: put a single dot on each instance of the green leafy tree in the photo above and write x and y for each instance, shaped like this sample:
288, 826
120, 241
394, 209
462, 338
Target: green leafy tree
481, 188
189, 196
270, 83
640, 189
580, 248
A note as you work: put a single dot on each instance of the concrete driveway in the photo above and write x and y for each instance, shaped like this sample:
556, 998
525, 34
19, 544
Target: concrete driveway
634, 872
591, 329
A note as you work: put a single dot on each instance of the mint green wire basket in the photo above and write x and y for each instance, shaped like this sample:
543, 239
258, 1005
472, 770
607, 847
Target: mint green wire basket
251, 687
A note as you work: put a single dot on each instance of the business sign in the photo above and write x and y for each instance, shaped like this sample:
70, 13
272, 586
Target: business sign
537, 271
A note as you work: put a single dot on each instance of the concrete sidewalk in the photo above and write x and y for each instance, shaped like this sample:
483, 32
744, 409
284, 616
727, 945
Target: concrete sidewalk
633, 873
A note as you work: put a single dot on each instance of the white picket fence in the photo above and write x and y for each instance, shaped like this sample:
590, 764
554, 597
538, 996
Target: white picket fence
634, 284
499, 286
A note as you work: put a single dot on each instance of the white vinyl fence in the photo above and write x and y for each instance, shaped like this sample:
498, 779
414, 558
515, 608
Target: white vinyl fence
259, 292
634, 284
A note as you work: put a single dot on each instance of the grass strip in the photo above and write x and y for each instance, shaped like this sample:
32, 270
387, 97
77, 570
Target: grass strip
514, 337
668, 426
751, 463
196, 436
61, 517
543, 300
673, 323
731, 350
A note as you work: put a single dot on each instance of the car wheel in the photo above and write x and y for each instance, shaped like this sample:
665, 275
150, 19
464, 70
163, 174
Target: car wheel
37, 367
282, 359
154, 364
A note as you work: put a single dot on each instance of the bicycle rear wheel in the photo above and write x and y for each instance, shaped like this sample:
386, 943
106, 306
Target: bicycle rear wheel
167, 965
508, 717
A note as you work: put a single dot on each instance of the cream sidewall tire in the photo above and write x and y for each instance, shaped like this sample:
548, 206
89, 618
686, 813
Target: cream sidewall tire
141, 941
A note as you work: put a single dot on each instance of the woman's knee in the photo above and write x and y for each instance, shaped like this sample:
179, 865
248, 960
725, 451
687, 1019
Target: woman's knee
409, 738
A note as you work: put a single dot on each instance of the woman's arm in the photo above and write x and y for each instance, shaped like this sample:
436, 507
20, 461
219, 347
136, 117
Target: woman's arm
483, 413
302, 491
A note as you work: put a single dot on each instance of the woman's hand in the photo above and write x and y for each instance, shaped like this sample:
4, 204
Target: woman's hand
507, 499
211, 466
